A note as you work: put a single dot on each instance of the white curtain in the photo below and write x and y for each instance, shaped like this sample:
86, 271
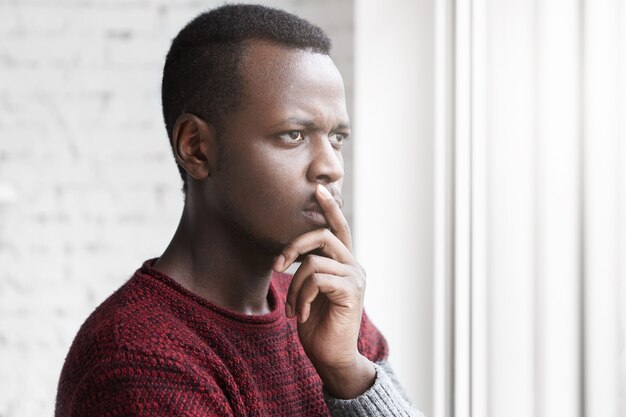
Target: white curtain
490, 201
530, 208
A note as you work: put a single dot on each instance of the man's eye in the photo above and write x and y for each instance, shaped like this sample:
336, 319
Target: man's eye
293, 136
340, 137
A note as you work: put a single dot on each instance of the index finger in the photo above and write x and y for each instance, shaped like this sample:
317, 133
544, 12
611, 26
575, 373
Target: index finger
335, 218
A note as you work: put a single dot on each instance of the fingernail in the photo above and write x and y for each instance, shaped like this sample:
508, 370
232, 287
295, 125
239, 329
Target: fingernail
278, 264
324, 191
288, 310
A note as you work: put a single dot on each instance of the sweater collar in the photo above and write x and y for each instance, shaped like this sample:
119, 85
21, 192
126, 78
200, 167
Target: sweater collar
276, 303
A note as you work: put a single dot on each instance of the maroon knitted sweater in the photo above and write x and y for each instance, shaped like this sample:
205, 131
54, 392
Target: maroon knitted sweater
155, 349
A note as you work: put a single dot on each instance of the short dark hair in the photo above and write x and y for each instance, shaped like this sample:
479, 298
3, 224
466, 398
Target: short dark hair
202, 75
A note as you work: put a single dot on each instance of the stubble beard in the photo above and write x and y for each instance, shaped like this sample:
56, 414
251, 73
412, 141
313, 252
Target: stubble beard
237, 220
242, 227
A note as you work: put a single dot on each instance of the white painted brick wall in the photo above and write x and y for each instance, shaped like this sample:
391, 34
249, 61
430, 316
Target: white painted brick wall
88, 188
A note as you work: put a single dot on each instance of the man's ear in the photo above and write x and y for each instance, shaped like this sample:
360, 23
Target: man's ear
195, 145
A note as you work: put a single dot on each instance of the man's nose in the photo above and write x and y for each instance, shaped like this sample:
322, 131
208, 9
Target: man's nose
326, 164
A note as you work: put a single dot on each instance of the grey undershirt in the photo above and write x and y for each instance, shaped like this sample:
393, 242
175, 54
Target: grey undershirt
385, 398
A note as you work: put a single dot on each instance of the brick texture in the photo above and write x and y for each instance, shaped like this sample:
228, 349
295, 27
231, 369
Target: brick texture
82, 142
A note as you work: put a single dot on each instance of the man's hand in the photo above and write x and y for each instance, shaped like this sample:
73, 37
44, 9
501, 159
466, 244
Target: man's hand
326, 294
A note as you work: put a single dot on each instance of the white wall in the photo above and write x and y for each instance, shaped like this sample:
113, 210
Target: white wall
88, 187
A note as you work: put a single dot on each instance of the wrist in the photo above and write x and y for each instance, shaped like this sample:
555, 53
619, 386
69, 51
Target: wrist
350, 380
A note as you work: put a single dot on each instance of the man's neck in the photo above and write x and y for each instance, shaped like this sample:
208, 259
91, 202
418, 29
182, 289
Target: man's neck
210, 260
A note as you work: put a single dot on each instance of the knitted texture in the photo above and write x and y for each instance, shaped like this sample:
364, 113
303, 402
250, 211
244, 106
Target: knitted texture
384, 398
155, 349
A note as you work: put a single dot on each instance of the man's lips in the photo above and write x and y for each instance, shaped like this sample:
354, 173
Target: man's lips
314, 213
315, 216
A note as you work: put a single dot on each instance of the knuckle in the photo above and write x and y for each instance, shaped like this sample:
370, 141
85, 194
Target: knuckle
362, 270
360, 285
351, 305
310, 262
358, 282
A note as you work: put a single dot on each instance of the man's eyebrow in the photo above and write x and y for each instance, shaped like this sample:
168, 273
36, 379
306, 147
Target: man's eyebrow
309, 124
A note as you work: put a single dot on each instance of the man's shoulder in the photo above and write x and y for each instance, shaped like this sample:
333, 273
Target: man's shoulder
135, 343
137, 318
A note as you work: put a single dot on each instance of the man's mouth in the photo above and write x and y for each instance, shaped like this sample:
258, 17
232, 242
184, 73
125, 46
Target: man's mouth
315, 216
314, 213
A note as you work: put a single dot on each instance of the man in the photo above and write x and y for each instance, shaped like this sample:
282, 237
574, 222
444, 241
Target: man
255, 111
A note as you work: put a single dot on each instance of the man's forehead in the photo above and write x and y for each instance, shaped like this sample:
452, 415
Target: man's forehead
269, 62
282, 83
